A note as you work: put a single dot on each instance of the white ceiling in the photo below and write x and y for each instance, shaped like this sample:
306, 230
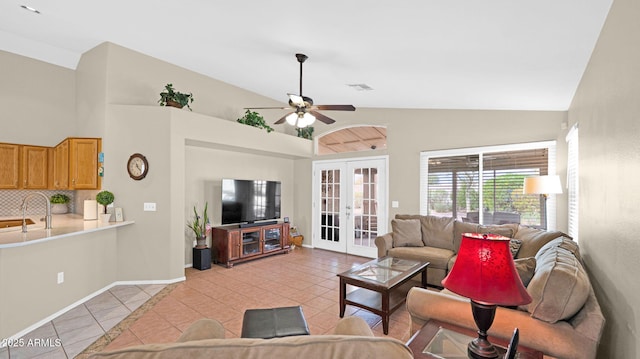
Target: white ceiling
453, 54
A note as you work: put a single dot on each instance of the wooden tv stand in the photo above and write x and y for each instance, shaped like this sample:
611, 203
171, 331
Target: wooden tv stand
233, 244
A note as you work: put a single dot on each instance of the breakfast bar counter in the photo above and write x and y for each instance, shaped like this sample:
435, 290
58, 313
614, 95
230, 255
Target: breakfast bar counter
63, 225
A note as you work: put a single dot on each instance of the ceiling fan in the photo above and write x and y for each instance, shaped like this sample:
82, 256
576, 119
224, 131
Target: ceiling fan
304, 111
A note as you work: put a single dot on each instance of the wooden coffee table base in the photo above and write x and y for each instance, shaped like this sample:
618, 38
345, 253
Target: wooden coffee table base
379, 300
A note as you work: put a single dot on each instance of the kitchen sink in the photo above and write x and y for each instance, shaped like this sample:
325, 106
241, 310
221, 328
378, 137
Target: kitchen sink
6, 223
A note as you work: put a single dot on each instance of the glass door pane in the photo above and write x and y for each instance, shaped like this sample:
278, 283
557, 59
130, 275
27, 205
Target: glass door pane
250, 243
330, 201
272, 238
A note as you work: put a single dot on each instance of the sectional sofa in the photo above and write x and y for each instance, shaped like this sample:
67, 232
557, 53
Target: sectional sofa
352, 338
564, 319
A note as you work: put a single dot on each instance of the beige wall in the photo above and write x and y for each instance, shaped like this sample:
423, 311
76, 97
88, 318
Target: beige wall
607, 108
411, 131
28, 276
37, 101
207, 167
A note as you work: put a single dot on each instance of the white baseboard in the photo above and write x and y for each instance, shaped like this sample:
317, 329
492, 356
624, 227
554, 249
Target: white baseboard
90, 296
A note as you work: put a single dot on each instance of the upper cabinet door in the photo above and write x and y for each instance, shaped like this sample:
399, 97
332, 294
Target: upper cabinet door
9, 166
83, 163
35, 167
61, 165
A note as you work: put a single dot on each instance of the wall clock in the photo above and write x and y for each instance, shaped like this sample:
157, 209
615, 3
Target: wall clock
137, 166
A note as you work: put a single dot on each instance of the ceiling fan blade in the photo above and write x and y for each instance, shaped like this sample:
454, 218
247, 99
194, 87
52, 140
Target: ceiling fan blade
284, 118
335, 107
267, 108
322, 118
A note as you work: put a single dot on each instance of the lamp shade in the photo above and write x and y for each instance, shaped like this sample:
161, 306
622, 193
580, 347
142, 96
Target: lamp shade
542, 185
485, 272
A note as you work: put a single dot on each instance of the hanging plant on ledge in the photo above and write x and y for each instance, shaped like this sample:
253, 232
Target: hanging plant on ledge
173, 98
305, 132
254, 119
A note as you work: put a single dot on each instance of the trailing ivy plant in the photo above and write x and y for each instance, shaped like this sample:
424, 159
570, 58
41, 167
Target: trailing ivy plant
171, 95
305, 132
254, 119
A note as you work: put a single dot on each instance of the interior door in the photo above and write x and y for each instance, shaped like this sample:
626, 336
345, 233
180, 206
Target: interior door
350, 205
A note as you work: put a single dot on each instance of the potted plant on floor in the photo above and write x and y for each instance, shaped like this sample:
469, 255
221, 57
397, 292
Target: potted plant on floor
173, 98
105, 198
200, 226
59, 203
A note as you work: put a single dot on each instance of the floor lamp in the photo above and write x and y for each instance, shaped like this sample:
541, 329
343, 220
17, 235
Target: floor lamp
542, 185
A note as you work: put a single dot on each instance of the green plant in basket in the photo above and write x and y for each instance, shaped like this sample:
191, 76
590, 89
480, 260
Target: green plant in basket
60, 198
173, 98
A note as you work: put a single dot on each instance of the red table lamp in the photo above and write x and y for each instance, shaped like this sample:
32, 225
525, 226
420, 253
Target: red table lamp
485, 273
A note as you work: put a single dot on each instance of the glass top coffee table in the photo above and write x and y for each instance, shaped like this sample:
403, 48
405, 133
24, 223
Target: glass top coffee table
382, 284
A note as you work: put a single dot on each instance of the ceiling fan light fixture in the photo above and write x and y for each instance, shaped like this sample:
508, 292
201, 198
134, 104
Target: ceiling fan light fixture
292, 119
306, 120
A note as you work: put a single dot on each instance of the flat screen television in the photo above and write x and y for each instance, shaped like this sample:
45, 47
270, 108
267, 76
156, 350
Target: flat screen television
248, 201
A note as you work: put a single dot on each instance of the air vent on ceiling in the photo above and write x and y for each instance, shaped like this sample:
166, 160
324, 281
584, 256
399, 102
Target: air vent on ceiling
360, 87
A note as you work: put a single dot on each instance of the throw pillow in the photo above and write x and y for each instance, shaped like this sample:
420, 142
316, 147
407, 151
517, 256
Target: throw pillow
406, 233
526, 267
514, 245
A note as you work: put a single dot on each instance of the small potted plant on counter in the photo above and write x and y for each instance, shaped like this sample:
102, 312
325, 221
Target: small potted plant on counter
59, 203
105, 198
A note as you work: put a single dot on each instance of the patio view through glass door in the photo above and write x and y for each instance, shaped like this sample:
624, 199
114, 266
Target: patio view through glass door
350, 205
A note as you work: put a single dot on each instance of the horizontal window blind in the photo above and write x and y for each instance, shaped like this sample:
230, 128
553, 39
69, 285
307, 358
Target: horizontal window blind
572, 182
484, 185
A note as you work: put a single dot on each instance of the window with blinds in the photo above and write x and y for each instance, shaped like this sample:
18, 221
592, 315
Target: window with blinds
484, 185
572, 181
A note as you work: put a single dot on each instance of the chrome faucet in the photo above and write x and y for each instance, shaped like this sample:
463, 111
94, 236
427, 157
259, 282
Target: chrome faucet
47, 218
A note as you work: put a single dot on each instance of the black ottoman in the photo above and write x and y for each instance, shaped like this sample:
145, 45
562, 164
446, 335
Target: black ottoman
274, 322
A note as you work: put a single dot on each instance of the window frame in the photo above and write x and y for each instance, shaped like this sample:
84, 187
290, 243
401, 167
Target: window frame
480, 151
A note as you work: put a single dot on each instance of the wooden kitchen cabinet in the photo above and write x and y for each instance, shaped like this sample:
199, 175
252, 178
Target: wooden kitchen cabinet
35, 167
61, 165
10, 166
76, 164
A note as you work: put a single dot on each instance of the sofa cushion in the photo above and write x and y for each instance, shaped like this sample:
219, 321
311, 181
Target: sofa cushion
458, 229
502, 230
438, 231
406, 233
438, 257
526, 268
560, 286
533, 239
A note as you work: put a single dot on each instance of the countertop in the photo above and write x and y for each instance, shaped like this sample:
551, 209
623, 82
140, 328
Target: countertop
62, 225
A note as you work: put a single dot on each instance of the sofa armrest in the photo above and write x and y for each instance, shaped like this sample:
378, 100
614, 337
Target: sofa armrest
202, 329
559, 339
353, 326
384, 243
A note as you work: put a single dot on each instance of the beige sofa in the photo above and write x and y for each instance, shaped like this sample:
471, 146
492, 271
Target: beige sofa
352, 338
437, 240
564, 319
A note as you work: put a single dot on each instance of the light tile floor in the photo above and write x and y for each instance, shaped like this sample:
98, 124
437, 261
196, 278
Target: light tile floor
305, 277
69, 334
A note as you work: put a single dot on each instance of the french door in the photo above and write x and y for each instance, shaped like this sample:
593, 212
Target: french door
349, 205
